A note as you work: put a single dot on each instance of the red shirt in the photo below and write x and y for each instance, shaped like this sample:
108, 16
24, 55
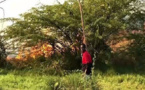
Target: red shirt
86, 58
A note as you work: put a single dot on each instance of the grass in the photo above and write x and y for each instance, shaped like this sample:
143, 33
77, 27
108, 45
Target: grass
33, 80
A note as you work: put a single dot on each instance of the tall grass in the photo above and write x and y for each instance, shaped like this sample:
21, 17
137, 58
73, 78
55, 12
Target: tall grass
33, 80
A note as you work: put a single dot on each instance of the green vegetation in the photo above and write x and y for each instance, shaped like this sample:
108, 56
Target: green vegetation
107, 23
35, 80
61, 24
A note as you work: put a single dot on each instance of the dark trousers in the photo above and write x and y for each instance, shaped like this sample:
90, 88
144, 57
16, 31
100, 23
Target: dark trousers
87, 67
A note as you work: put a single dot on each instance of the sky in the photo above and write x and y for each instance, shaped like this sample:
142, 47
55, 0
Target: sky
13, 8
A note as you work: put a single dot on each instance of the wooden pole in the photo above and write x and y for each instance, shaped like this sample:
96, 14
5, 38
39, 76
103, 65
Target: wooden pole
82, 21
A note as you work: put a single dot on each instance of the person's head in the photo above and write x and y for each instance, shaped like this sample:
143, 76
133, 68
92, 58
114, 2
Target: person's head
83, 48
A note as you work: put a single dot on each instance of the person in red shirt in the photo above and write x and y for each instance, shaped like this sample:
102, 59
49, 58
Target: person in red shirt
86, 60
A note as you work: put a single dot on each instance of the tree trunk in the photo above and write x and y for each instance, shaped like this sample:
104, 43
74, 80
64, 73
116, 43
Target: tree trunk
3, 55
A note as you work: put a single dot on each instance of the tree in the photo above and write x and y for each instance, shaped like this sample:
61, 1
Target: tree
102, 19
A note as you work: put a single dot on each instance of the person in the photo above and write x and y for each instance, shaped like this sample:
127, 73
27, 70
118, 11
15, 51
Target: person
86, 61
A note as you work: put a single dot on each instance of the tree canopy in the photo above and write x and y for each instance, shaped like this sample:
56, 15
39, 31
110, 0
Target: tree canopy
61, 23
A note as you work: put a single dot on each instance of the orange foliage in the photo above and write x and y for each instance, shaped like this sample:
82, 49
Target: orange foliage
36, 51
19, 56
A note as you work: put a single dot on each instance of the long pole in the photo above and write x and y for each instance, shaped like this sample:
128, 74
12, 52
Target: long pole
82, 21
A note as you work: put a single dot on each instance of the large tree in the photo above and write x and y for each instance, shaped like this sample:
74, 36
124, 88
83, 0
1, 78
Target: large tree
102, 18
